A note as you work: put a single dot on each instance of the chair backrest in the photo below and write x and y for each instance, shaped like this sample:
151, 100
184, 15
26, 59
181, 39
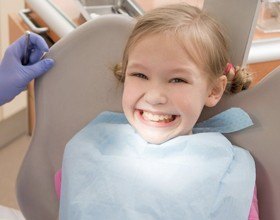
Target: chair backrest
239, 19
81, 85
262, 139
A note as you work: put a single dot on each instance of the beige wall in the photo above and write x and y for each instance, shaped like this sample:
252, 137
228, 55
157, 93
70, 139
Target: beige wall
9, 6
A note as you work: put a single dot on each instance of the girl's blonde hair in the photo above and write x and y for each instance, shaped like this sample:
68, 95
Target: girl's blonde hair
201, 36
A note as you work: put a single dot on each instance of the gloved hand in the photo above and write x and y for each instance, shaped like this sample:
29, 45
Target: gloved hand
14, 76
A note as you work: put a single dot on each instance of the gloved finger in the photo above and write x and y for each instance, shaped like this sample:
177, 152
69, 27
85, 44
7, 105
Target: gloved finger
17, 48
39, 68
35, 56
38, 42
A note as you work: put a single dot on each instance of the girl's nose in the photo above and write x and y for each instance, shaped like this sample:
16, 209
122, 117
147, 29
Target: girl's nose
155, 97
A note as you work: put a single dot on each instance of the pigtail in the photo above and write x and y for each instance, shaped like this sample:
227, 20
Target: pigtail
118, 72
238, 79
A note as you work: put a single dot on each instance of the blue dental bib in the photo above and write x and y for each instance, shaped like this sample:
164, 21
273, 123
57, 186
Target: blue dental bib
111, 173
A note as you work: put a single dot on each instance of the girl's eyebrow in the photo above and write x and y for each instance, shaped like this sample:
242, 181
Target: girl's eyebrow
185, 69
175, 69
135, 64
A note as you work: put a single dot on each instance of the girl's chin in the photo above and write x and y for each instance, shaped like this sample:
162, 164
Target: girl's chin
154, 139
155, 135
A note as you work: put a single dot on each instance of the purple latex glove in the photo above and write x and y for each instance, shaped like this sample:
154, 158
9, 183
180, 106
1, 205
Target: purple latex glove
14, 76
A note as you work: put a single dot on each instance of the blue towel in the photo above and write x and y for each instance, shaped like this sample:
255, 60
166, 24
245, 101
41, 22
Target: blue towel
231, 120
111, 173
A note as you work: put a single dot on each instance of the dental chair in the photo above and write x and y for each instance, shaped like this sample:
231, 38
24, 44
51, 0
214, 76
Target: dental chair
81, 85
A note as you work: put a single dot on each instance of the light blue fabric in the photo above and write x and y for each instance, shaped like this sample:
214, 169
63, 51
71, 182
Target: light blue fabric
231, 120
111, 173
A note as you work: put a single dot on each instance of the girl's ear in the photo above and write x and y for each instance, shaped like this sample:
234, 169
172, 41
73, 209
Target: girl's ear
216, 91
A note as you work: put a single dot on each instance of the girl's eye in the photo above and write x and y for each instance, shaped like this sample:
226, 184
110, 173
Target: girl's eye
140, 75
178, 80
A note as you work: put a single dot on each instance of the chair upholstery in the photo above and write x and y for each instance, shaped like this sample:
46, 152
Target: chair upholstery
239, 19
66, 100
81, 85
262, 139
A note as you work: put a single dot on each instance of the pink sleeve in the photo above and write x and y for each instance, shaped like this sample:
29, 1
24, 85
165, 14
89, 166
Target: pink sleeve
254, 211
57, 183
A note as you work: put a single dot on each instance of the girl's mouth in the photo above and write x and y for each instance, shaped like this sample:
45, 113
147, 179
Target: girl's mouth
157, 118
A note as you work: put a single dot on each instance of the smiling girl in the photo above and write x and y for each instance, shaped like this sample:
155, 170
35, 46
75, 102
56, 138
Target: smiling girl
149, 163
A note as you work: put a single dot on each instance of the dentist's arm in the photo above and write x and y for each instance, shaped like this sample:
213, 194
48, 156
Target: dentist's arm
14, 76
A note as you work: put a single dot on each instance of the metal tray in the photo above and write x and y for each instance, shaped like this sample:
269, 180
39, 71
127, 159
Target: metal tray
93, 8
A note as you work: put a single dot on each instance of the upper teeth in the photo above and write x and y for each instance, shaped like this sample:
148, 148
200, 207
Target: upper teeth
154, 117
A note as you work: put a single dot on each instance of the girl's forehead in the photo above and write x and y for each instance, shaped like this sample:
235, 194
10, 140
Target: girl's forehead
164, 39
159, 44
164, 34
163, 50
173, 36
167, 40
193, 51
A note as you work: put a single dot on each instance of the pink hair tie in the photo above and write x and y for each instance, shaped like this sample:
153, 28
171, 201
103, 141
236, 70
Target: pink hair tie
230, 71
